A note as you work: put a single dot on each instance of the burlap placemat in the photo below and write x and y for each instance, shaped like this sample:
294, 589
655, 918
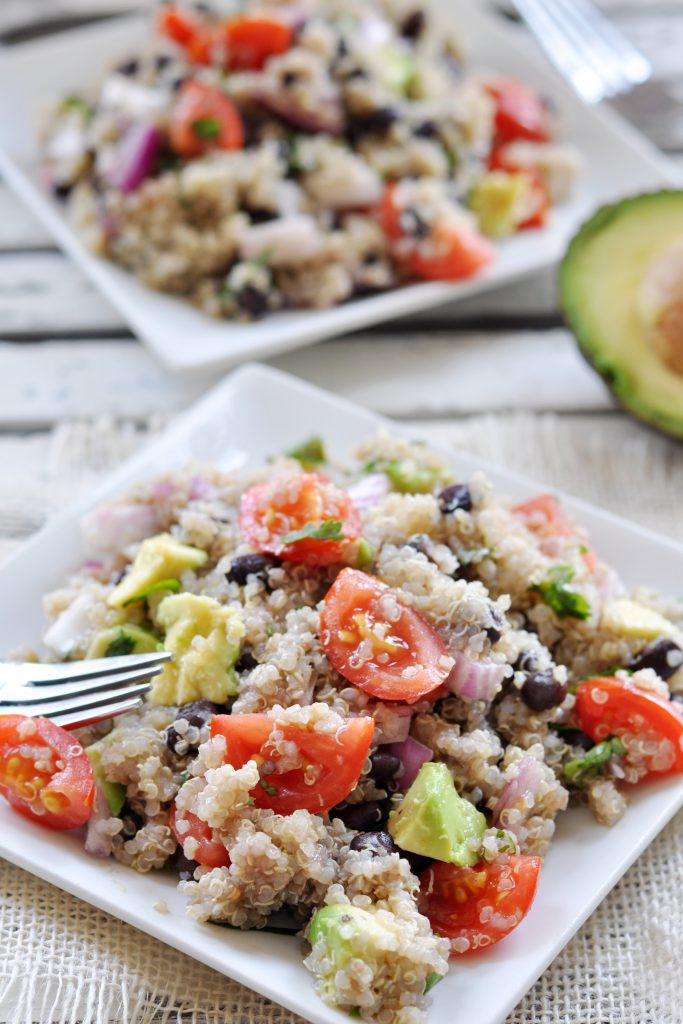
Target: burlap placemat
63, 962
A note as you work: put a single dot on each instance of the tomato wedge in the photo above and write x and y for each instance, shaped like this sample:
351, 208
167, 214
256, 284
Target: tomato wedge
475, 907
379, 644
329, 763
650, 727
210, 852
252, 40
204, 118
45, 773
544, 516
450, 252
177, 25
520, 112
300, 517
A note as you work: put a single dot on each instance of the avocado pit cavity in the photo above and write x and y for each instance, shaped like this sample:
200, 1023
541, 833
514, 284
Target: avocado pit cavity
659, 304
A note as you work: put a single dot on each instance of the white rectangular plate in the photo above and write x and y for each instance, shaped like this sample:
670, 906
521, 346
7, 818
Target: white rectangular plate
248, 416
617, 161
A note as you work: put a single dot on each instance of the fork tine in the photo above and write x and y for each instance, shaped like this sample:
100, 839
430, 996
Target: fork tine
50, 709
79, 718
46, 675
634, 64
20, 695
583, 24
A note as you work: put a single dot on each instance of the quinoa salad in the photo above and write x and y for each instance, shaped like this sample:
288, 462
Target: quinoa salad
385, 685
299, 153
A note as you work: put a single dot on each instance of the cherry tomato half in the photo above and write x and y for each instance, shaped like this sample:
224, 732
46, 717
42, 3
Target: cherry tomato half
330, 767
210, 852
379, 644
272, 513
543, 515
616, 707
251, 40
45, 774
475, 907
520, 112
177, 25
204, 118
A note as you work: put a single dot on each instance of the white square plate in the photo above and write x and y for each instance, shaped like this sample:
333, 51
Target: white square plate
250, 415
617, 161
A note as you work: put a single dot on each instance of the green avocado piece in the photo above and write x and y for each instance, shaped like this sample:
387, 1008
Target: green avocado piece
499, 199
159, 559
114, 792
435, 821
347, 931
128, 639
606, 293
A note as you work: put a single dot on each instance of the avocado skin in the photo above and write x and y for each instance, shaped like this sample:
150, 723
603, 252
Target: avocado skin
604, 219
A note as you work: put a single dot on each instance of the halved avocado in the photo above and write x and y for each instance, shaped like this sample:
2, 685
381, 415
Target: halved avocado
621, 291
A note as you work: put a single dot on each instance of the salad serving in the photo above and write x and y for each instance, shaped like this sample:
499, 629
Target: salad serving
295, 153
386, 684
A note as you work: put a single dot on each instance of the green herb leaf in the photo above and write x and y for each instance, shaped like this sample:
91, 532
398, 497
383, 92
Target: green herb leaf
184, 776
270, 629
270, 790
406, 475
77, 104
120, 646
310, 453
173, 586
206, 127
581, 768
564, 600
328, 529
432, 979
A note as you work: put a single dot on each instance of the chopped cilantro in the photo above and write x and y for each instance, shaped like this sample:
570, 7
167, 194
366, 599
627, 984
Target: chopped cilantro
432, 979
120, 646
77, 104
171, 585
270, 790
184, 776
581, 768
206, 127
328, 529
310, 453
270, 629
564, 600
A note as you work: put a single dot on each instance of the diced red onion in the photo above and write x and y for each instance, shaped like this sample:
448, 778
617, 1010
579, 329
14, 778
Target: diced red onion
369, 490
327, 116
474, 680
392, 723
527, 781
109, 528
163, 489
201, 488
98, 841
412, 755
134, 158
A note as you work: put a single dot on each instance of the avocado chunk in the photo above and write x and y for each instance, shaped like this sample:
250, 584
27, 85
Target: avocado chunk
435, 821
499, 200
629, 618
120, 640
159, 559
114, 792
348, 931
621, 291
204, 638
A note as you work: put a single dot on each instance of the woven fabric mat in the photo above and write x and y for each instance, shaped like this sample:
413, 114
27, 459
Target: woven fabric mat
63, 962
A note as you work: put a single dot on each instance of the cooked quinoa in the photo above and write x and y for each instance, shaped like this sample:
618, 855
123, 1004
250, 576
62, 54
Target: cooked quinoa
335, 149
522, 609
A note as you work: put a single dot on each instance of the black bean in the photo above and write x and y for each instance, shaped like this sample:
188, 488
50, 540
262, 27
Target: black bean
250, 565
426, 130
385, 766
495, 631
62, 190
541, 691
414, 25
413, 224
132, 822
417, 862
363, 817
423, 543
289, 78
183, 866
576, 738
378, 843
342, 48
375, 122
196, 714
454, 497
162, 60
664, 656
129, 67
252, 301
258, 215
354, 73
527, 662
246, 661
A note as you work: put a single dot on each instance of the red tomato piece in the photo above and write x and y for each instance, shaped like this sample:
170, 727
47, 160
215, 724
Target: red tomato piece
45, 773
329, 768
204, 118
475, 907
520, 112
211, 853
650, 727
544, 516
270, 513
449, 253
378, 644
252, 40
177, 25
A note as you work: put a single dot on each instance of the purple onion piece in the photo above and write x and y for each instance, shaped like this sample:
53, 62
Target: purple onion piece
134, 158
412, 755
392, 723
98, 843
527, 781
474, 680
201, 488
327, 117
109, 528
369, 490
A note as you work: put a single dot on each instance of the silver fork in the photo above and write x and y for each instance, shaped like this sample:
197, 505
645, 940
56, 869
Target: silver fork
78, 692
593, 55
